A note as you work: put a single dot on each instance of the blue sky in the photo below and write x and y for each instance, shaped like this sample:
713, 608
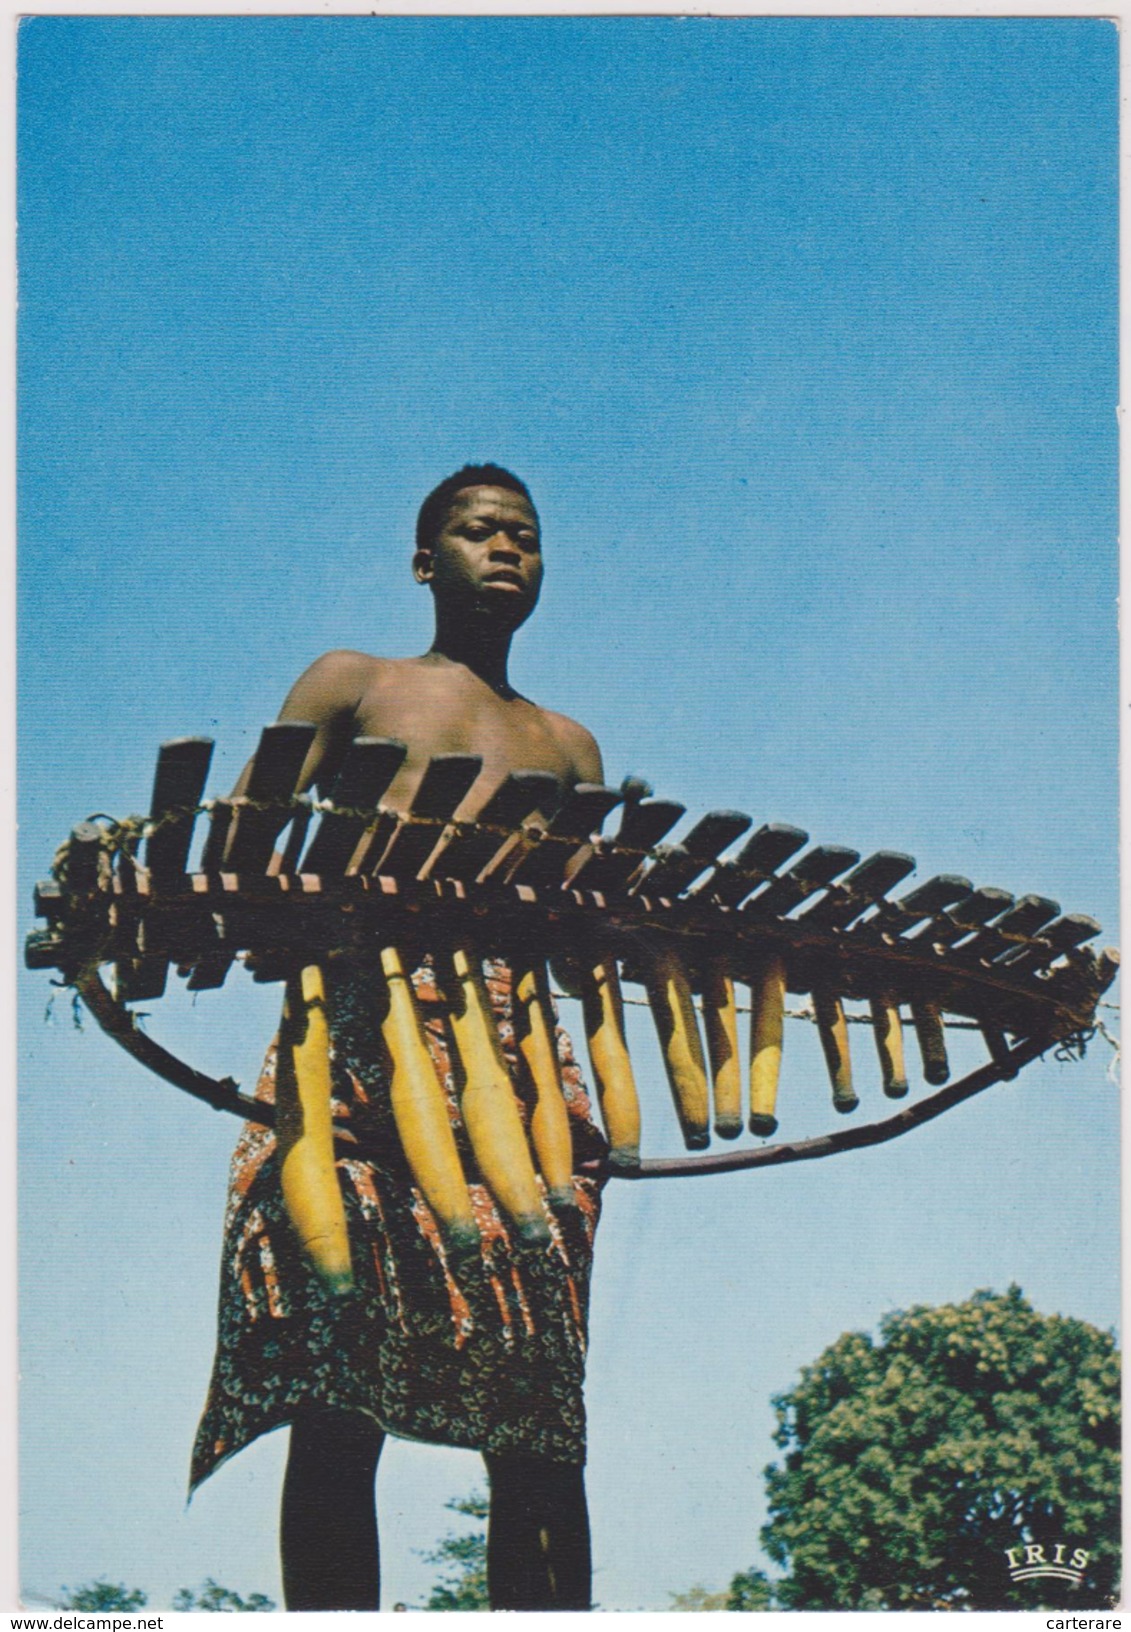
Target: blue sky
803, 332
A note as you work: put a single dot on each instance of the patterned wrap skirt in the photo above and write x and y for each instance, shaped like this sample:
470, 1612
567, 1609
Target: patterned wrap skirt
486, 1354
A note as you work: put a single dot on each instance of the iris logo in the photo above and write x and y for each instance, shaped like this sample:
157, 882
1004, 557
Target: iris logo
1026, 1563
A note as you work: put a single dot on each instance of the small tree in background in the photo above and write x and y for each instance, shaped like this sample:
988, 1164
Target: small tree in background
911, 1465
465, 1559
103, 1594
750, 1590
213, 1597
696, 1599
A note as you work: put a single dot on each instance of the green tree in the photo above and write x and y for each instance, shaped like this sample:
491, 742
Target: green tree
465, 1559
213, 1597
751, 1590
102, 1594
912, 1464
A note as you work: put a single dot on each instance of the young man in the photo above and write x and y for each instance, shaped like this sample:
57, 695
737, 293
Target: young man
488, 1356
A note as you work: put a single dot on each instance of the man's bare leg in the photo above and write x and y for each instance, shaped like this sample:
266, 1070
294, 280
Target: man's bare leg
328, 1533
538, 1554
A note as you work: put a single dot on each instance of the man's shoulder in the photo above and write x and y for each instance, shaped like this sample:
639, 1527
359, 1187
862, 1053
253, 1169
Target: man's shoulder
344, 669
343, 659
562, 723
333, 682
579, 742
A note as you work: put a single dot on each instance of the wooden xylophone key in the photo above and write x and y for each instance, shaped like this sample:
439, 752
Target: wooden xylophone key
447, 779
973, 912
285, 862
862, 888
579, 817
1062, 936
833, 1032
610, 865
927, 1018
813, 872
669, 998
368, 768
678, 865
87, 859
219, 827
246, 842
888, 1030
1097, 969
720, 1025
468, 850
1012, 930
178, 784
895, 918
1105, 968
767, 1027
273, 778
49, 899
1078, 979
758, 860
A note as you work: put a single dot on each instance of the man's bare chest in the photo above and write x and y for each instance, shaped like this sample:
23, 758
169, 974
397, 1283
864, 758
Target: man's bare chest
432, 717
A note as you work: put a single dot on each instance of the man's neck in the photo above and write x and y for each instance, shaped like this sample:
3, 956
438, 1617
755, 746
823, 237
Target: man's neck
483, 650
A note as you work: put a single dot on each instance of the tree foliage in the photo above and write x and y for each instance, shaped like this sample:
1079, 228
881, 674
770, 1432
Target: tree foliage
106, 1595
464, 1557
102, 1594
213, 1598
750, 1590
912, 1464
696, 1599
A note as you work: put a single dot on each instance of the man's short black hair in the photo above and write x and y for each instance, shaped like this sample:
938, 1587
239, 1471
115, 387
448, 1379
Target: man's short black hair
434, 510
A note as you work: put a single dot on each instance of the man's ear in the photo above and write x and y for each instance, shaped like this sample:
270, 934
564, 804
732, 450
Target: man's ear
423, 566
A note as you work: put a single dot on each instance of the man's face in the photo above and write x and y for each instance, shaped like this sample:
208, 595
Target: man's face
487, 556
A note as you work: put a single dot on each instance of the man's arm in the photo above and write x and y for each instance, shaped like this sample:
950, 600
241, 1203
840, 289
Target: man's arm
326, 696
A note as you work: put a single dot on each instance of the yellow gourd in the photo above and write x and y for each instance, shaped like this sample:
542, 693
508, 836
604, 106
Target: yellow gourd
669, 996
834, 1041
420, 1109
720, 1022
932, 1042
603, 1011
487, 1103
535, 1034
766, 1031
889, 1046
305, 1134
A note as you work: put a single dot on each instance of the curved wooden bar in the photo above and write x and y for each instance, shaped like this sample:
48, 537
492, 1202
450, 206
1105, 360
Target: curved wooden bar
533, 878
833, 1144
